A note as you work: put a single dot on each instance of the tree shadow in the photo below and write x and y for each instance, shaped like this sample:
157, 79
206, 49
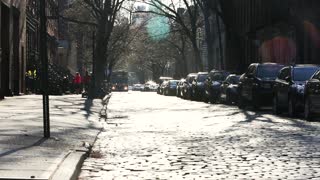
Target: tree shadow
37, 143
87, 107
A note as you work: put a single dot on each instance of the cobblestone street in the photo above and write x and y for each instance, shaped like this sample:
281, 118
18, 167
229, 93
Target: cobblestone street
148, 136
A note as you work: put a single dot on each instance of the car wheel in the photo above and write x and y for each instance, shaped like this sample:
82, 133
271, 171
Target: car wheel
255, 102
307, 111
275, 106
241, 102
291, 108
228, 99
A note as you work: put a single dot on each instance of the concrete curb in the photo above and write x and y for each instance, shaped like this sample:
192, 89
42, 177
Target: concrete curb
70, 167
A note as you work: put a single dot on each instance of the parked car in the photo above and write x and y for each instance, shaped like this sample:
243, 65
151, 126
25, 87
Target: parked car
179, 87
150, 86
170, 88
138, 87
212, 85
186, 88
289, 88
256, 85
160, 81
197, 87
312, 96
162, 86
229, 89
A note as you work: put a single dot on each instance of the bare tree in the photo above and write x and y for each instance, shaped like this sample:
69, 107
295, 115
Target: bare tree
150, 55
103, 17
188, 20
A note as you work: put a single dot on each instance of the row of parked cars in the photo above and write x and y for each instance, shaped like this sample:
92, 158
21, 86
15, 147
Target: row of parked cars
292, 89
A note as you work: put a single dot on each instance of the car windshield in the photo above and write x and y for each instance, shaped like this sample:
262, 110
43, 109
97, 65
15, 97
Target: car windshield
303, 74
191, 79
173, 83
202, 77
235, 79
268, 71
218, 76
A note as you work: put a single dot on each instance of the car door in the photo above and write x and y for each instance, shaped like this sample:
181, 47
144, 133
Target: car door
247, 86
224, 86
284, 85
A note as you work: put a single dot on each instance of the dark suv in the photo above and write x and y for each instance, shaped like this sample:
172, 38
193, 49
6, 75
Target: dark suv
186, 88
312, 96
289, 88
256, 85
212, 85
198, 86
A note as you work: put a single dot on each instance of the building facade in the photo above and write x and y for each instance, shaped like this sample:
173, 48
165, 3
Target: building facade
285, 31
12, 47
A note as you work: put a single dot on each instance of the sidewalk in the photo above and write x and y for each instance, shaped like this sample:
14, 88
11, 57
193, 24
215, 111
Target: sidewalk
25, 154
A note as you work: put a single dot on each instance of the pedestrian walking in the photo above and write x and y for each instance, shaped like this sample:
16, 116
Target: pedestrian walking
77, 83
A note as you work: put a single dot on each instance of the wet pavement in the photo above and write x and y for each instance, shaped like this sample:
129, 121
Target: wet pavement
148, 136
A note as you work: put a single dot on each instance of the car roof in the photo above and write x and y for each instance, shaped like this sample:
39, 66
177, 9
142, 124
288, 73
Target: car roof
218, 71
165, 78
234, 75
192, 74
305, 65
201, 73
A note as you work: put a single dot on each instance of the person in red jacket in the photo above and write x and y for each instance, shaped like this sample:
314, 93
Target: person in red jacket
77, 83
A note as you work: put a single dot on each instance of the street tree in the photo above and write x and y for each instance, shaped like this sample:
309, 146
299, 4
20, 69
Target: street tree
103, 16
187, 16
150, 55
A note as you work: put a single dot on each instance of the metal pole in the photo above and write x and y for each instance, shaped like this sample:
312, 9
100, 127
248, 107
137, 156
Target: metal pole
44, 68
93, 82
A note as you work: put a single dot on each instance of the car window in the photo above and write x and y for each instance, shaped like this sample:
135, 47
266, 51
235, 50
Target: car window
202, 77
284, 73
218, 76
268, 71
316, 75
235, 79
251, 69
303, 74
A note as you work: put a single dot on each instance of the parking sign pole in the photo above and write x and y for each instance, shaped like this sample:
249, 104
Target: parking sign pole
44, 68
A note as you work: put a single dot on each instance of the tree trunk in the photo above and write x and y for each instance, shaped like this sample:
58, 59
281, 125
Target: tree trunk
220, 43
183, 56
209, 38
197, 56
100, 58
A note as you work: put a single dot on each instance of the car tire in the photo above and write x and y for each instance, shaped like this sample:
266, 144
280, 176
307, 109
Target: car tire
275, 106
307, 111
255, 102
241, 102
291, 108
228, 99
